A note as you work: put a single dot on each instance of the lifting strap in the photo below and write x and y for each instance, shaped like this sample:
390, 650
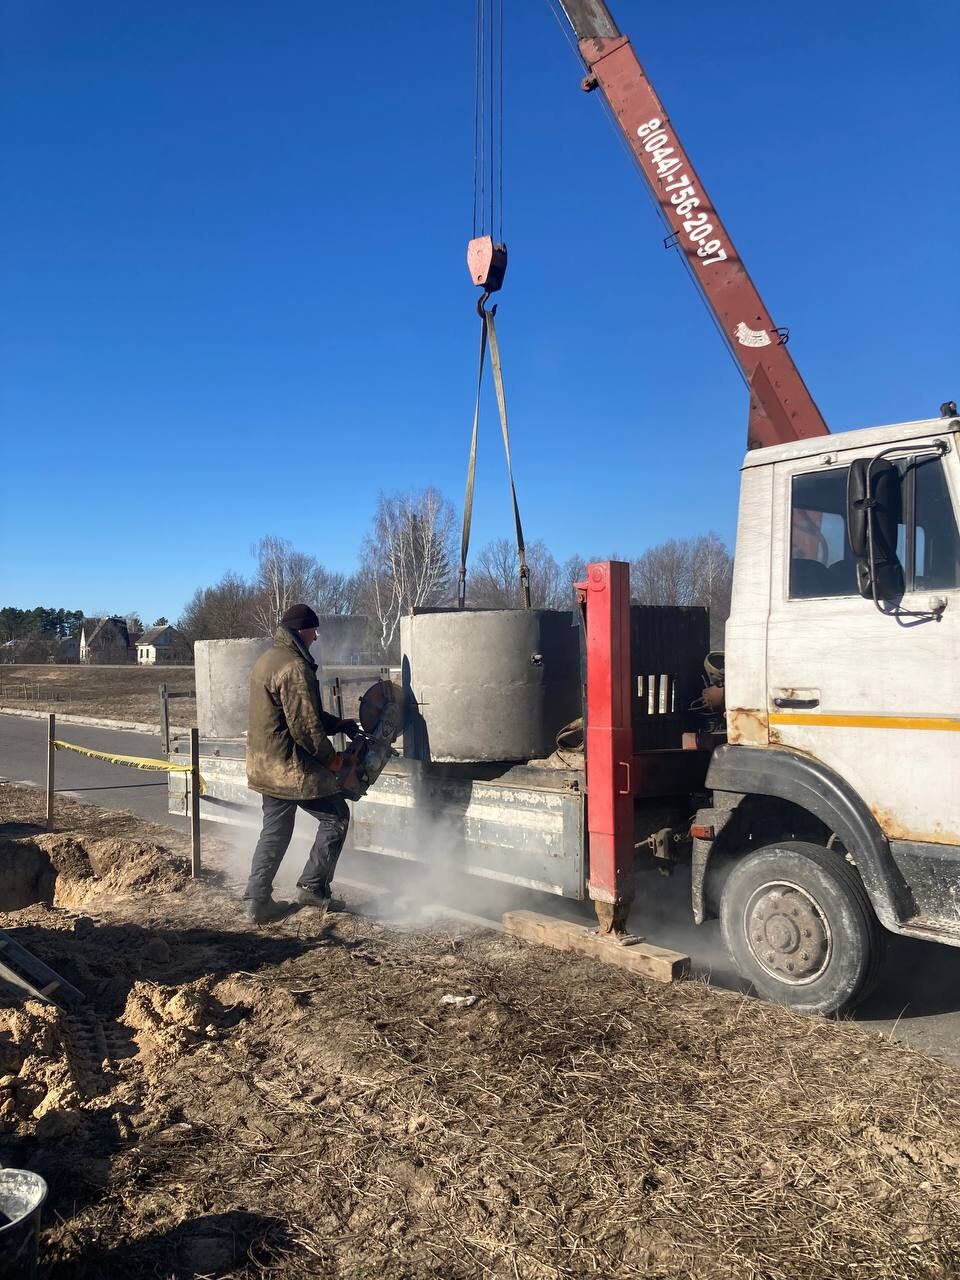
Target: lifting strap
488, 332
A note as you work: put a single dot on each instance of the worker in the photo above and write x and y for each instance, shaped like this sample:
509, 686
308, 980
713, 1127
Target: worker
293, 764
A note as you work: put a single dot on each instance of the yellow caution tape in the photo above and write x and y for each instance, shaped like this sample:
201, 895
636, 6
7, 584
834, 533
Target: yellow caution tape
132, 762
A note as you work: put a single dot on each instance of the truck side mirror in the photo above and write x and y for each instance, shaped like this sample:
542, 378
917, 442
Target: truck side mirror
873, 520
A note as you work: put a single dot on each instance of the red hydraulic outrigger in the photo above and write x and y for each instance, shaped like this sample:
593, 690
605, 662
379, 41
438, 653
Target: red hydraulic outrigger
781, 407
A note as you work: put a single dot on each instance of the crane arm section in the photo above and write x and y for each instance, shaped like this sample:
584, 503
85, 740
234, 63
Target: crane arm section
781, 407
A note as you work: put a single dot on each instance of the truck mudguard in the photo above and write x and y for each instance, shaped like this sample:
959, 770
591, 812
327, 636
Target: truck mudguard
804, 781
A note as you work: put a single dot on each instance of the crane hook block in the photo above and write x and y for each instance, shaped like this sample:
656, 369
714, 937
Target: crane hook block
487, 263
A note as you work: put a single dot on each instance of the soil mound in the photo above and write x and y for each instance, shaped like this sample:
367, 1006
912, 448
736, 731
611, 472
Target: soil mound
69, 870
167, 1021
36, 1079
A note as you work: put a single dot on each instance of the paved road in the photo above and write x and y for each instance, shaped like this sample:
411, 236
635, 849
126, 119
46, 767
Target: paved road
23, 758
918, 999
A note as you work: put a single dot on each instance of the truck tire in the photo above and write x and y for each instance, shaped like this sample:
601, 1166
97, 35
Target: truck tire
799, 926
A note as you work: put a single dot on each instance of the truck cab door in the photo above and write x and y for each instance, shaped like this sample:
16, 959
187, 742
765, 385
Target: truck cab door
874, 695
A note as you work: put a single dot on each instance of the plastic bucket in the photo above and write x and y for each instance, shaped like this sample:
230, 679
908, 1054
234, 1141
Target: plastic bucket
21, 1198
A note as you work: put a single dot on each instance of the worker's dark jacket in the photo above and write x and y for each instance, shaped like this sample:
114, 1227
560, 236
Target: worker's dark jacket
287, 745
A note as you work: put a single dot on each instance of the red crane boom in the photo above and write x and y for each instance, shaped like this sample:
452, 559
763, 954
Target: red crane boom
781, 407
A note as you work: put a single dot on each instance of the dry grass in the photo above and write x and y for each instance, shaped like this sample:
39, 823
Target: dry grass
577, 1123
298, 1102
114, 693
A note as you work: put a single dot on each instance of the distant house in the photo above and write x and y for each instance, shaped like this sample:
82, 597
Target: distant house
104, 640
68, 649
162, 645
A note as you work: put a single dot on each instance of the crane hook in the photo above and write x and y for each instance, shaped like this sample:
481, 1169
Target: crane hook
487, 263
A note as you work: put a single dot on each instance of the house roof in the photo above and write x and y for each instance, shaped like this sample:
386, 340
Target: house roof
94, 627
160, 637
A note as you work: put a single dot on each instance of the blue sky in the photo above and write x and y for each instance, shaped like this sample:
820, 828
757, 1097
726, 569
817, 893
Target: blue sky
235, 299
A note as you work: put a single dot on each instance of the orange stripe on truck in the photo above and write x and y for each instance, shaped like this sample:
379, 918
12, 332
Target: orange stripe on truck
944, 724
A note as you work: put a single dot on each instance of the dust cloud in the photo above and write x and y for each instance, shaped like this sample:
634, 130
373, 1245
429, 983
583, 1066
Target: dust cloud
436, 890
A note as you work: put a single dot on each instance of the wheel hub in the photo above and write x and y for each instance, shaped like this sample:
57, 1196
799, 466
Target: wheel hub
788, 933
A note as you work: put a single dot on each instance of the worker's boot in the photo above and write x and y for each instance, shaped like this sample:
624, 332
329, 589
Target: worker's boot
267, 910
325, 901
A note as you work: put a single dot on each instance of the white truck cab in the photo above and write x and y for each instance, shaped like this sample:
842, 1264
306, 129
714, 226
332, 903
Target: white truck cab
841, 777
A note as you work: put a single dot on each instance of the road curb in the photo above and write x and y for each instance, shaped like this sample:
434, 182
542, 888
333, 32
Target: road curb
92, 722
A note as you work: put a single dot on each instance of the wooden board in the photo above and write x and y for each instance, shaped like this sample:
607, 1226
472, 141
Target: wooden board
642, 958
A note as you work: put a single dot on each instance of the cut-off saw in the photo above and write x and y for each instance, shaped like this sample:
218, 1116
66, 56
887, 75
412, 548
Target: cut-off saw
382, 712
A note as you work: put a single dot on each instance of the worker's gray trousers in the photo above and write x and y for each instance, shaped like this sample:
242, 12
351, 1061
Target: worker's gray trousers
279, 816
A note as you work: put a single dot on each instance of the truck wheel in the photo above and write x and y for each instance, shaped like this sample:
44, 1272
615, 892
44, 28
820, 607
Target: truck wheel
798, 923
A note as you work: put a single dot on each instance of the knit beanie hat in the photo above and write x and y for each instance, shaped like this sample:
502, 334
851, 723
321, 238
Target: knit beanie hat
300, 617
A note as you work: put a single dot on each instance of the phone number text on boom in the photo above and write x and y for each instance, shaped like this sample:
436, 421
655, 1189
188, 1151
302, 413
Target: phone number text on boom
683, 194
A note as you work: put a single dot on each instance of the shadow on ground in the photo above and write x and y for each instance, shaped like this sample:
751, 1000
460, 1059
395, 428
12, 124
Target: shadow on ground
919, 979
105, 960
211, 1245
16, 830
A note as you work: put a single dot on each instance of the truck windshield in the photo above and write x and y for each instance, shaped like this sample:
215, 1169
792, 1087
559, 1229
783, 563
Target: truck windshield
933, 561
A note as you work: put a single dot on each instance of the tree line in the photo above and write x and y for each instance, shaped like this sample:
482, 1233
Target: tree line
36, 635
410, 558
17, 624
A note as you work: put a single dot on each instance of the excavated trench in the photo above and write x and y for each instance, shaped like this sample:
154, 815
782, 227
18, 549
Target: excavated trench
27, 875
63, 871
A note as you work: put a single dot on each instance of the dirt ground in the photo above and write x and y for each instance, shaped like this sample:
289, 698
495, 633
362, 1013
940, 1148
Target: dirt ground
352, 1099
114, 693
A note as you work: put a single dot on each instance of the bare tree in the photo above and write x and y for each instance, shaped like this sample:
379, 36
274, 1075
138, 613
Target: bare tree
713, 581
686, 571
286, 576
662, 574
573, 570
225, 611
494, 580
39, 646
334, 593
408, 557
